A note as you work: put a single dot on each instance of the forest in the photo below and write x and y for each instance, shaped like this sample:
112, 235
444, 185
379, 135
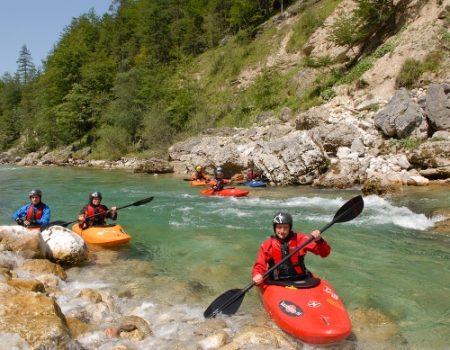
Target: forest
151, 72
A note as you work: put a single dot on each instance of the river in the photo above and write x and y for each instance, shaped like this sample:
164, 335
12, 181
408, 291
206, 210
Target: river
188, 249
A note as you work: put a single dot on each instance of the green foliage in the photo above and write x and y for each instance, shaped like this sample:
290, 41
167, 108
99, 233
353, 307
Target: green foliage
369, 17
409, 73
343, 31
113, 142
413, 69
267, 91
311, 19
320, 92
9, 130
409, 143
26, 71
365, 64
317, 62
244, 13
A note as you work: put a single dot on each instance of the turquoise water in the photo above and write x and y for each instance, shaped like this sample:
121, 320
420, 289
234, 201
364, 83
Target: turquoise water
388, 259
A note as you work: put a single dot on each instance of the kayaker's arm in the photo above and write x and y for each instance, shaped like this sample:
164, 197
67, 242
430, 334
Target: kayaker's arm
319, 246
112, 213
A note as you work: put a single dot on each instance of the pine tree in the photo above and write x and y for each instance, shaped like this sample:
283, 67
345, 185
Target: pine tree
25, 66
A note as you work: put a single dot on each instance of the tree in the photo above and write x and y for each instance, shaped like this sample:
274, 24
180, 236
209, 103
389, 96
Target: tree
369, 17
25, 66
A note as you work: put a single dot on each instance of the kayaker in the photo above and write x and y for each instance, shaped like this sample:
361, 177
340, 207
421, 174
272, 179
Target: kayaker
218, 182
34, 214
199, 174
250, 175
88, 217
279, 245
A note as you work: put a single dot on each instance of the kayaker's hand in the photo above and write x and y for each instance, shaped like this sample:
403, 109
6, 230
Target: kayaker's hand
258, 278
81, 219
113, 209
19, 221
26, 223
316, 235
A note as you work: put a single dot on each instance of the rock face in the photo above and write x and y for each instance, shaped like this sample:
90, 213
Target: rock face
64, 246
286, 156
335, 146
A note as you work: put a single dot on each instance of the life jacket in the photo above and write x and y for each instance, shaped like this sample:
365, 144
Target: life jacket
35, 213
293, 268
198, 175
93, 210
217, 184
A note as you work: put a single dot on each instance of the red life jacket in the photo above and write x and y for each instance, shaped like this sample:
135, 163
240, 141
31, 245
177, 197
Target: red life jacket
98, 219
34, 214
293, 267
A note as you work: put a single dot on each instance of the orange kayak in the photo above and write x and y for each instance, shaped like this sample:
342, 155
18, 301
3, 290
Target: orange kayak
198, 182
226, 192
107, 235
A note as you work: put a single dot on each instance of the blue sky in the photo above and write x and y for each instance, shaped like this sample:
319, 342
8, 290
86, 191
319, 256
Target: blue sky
38, 24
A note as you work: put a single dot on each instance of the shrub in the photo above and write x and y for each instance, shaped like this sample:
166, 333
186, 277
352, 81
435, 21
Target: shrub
409, 73
113, 142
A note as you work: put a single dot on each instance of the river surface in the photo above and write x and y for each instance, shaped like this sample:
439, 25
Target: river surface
188, 249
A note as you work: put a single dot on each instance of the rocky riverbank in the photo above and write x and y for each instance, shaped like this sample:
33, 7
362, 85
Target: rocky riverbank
341, 144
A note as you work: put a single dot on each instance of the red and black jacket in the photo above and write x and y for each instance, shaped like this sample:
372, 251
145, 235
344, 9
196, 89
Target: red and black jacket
273, 250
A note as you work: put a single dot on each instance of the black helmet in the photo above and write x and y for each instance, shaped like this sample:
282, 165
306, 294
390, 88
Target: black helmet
95, 195
282, 218
35, 193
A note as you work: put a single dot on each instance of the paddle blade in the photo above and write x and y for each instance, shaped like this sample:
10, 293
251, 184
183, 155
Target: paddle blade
136, 204
349, 210
142, 201
227, 303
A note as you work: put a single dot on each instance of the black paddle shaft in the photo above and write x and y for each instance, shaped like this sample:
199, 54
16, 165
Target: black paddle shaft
65, 224
347, 212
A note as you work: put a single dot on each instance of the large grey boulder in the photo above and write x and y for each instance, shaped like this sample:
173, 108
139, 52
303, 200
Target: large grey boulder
438, 106
400, 116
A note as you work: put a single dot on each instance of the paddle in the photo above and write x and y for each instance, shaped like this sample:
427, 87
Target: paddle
229, 302
65, 224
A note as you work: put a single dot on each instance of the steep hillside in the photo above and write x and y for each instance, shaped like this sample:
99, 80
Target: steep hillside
318, 113
291, 65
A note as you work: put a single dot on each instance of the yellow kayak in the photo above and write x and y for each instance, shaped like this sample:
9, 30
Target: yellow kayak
106, 235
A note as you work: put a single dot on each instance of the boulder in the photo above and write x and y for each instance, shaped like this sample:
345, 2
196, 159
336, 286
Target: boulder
400, 116
27, 243
438, 106
36, 318
64, 246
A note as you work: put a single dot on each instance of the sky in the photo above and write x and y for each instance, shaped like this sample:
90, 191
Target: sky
37, 24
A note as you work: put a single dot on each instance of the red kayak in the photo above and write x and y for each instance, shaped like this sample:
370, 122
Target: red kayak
227, 192
309, 310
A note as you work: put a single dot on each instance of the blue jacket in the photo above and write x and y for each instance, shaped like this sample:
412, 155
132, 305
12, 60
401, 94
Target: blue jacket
22, 214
